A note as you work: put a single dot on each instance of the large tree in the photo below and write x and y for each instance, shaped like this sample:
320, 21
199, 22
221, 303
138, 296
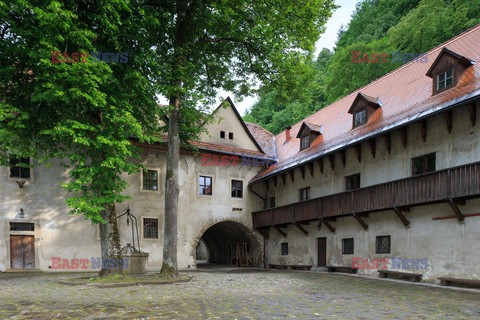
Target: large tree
204, 46
81, 113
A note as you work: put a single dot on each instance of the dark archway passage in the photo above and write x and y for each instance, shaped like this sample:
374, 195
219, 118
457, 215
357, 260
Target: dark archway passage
228, 243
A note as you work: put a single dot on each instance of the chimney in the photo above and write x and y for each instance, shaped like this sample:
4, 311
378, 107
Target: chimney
287, 134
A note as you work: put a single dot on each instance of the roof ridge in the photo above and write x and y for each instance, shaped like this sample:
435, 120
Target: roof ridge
394, 71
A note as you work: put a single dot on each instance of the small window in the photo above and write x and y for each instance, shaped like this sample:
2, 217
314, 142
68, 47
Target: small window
284, 248
271, 201
150, 180
205, 184
222, 134
352, 182
445, 79
360, 118
19, 167
347, 246
423, 164
237, 189
305, 142
150, 228
383, 244
22, 226
304, 194
230, 135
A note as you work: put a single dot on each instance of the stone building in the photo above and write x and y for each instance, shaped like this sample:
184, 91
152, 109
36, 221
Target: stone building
390, 171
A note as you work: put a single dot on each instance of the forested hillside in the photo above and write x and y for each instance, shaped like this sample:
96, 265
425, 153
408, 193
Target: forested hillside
382, 26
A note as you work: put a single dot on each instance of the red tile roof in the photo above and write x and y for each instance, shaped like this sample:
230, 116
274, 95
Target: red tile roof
406, 95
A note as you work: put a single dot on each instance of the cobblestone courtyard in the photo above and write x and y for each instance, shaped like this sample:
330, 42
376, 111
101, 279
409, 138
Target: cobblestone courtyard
235, 295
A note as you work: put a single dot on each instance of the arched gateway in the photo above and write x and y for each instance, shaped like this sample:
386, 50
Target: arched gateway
228, 243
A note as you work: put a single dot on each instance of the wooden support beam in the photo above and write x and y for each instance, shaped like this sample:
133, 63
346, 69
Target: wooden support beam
320, 165
404, 136
358, 151
472, 110
454, 205
423, 129
343, 156
327, 224
283, 233
402, 217
388, 142
283, 178
263, 232
310, 168
275, 181
299, 226
257, 194
448, 120
302, 171
292, 174
331, 159
373, 146
360, 220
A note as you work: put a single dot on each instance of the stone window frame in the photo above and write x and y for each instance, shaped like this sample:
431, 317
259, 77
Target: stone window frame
231, 188
159, 185
343, 245
143, 228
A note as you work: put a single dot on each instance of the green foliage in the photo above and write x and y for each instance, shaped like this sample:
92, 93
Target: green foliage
82, 113
381, 26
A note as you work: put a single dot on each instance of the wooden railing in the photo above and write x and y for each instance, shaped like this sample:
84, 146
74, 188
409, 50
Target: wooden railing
438, 186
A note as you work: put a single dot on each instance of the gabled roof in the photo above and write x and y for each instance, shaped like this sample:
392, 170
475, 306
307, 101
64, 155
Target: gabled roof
406, 96
370, 100
265, 139
312, 127
463, 60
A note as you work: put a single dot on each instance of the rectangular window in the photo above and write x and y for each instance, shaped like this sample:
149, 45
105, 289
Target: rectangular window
150, 228
205, 185
230, 135
284, 248
445, 79
347, 246
150, 180
305, 142
271, 201
360, 118
352, 182
222, 134
423, 164
237, 189
304, 194
22, 226
19, 167
382, 244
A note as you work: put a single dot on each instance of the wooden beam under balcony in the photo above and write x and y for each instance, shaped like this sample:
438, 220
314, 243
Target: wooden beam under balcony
343, 156
283, 233
320, 165
454, 205
388, 142
327, 224
372, 144
402, 217
404, 136
310, 168
302, 171
331, 159
283, 178
423, 129
358, 152
472, 110
275, 181
292, 175
360, 220
299, 226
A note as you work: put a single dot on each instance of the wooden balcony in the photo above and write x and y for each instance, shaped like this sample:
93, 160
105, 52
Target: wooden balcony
453, 186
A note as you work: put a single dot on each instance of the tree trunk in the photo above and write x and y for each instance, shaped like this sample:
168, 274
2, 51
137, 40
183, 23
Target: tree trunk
169, 265
112, 260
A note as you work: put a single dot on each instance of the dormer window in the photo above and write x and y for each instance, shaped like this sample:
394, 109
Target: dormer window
362, 109
445, 79
307, 133
305, 142
447, 70
360, 118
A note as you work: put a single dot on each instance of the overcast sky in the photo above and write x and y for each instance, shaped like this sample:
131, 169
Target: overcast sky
327, 40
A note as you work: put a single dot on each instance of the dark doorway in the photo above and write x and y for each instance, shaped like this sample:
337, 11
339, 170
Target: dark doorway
227, 243
22, 252
322, 252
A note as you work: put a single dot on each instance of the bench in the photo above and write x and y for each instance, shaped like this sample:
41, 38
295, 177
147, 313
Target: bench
414, 277
457, 282
290, 267
341, 269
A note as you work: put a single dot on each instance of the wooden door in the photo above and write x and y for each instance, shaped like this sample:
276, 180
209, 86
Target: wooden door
322, 252
22, 252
